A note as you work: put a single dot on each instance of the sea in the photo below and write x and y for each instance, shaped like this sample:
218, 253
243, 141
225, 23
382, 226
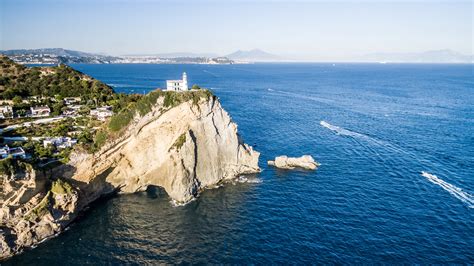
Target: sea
395, 185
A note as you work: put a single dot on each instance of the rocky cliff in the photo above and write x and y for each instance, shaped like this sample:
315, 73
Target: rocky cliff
183, 148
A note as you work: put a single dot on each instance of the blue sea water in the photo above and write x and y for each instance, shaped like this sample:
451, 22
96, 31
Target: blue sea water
373, 127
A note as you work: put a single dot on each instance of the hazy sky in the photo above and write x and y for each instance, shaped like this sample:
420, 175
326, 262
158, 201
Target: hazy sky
315, 29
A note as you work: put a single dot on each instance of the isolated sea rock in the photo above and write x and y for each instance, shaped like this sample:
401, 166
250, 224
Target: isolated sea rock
285, 162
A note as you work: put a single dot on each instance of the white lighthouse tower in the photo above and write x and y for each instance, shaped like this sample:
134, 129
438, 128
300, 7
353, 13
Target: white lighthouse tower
178, 85
185, 82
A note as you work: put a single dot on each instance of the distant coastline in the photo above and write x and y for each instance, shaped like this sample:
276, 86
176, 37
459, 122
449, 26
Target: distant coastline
54, 56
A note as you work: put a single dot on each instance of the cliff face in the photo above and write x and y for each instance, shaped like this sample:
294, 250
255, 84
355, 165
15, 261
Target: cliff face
33, 209
183, 149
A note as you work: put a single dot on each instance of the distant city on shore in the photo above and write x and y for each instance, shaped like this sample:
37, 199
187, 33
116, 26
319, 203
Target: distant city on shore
65, 56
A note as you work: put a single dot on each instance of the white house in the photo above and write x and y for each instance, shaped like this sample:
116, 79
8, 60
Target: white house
14, 152
177, 85
6, 111
60, 142
72, 110
102, 113
39, 111
72, 100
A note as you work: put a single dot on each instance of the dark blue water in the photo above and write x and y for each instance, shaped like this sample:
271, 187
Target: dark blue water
368, 203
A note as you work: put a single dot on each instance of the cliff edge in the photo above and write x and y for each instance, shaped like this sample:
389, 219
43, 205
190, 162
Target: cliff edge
183, 146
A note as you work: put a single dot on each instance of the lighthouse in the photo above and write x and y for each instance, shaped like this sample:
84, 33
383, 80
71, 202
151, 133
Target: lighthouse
178, 85
185, 82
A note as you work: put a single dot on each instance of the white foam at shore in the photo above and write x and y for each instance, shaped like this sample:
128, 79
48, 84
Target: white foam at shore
453, 190
243, 179
175, 203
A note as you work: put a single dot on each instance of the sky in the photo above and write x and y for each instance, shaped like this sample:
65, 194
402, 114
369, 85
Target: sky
311, 29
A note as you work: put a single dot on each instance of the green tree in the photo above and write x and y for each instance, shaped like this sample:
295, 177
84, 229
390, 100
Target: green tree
17, 100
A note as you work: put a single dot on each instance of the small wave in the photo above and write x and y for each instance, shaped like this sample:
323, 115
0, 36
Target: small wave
243, 179
270, 89
210, 73
175, 203
453, 190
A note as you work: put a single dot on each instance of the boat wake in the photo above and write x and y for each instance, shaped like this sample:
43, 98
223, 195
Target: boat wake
342, 131
453, 190
385, 144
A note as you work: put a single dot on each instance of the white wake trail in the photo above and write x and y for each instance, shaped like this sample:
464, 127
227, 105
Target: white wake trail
453, 190
345, 132
341, 131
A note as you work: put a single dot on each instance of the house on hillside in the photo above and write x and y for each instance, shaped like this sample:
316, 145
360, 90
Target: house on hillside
177, 85
72, 110
72, 100
40, 111
17, 152
102, 113
6, 111
60, 142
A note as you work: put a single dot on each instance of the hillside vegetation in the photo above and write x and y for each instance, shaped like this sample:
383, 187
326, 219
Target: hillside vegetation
18, 80
146, 103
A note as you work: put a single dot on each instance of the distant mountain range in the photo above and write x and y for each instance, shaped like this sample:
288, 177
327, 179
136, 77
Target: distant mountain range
254, 55
437, 56
60, 55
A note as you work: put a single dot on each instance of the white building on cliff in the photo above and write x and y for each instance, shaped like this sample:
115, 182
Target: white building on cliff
177, 85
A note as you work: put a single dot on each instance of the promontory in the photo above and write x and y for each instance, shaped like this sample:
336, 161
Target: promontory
183, 142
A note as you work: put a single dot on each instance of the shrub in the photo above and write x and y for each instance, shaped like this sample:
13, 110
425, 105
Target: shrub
121, 120
100, 139
8, 166
179, 142
61, 187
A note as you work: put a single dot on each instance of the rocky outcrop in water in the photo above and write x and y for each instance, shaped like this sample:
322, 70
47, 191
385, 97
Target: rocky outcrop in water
285, 162
184, 149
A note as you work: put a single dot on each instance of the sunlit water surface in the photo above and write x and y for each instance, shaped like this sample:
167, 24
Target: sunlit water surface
374, 129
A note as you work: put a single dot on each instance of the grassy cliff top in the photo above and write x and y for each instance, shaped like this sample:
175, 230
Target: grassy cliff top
19, 80
145, 104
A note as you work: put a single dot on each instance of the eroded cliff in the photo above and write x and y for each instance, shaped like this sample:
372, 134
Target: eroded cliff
183, 148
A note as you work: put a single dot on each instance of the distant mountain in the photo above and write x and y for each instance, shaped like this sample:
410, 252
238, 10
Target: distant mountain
254, 55
437, 56
49, 51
